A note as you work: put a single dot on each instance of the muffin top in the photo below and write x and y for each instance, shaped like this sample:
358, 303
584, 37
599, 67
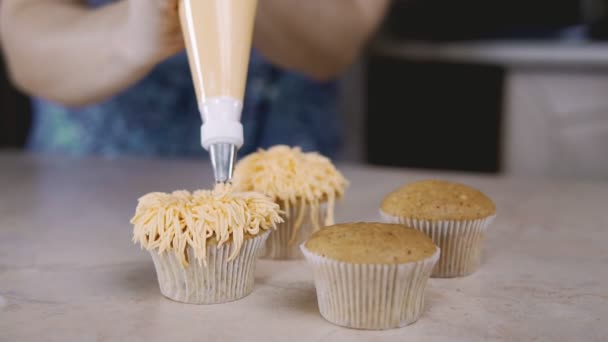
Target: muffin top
176, 221
371, 243
437, 200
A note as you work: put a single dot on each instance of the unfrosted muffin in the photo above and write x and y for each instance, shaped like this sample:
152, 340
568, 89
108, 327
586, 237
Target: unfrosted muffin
454, 215
305, 185
370, 275
204, 244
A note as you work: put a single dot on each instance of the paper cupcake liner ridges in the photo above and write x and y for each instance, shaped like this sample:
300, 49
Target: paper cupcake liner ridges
280, 246
461, 242
219, 282
370, 296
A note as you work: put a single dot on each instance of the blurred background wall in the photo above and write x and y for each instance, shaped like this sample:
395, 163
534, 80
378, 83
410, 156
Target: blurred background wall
517, 87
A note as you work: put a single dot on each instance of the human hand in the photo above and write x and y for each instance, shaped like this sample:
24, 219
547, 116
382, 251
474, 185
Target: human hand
152, 30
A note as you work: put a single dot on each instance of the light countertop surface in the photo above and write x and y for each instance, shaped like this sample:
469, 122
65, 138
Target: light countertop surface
69, 272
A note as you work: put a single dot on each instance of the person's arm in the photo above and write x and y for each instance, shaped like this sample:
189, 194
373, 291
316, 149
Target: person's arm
64, 51
319, 38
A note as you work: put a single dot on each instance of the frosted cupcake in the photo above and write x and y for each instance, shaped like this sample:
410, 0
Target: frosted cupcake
305, 185
204, 244
370, 275
454, 215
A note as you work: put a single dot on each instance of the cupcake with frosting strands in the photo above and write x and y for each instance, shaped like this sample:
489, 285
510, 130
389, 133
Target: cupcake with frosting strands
305, 185
204, 244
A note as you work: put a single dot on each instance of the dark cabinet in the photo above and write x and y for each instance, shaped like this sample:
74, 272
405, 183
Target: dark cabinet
15, 114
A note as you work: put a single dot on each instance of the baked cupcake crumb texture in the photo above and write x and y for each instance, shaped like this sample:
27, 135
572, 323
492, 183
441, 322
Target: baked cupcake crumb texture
178, 220
371, 243
293, 178
438, 200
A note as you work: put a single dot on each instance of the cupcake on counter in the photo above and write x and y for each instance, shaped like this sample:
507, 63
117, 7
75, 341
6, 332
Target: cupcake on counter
204, 244
306, 187
370, 275
454, 215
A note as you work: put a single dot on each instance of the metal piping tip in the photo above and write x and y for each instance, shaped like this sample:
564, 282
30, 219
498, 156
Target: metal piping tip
223, 158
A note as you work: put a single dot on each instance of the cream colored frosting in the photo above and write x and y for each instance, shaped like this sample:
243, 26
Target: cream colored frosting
182, 219
292, 177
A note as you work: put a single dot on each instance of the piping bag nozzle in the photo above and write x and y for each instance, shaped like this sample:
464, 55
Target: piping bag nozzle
223, 158
222, 134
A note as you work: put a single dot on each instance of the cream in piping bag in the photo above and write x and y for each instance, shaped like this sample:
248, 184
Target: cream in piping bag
218, 37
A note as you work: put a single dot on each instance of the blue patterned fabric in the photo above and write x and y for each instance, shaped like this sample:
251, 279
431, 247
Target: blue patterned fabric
159, 116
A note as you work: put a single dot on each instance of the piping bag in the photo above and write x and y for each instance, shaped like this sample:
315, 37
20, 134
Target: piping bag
218, 34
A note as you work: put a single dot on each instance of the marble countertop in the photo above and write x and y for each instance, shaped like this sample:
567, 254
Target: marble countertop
508, 53
69, 272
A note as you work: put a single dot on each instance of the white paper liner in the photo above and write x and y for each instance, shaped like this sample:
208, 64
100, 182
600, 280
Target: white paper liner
219, 282
370, 296
278, 245
461, 242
